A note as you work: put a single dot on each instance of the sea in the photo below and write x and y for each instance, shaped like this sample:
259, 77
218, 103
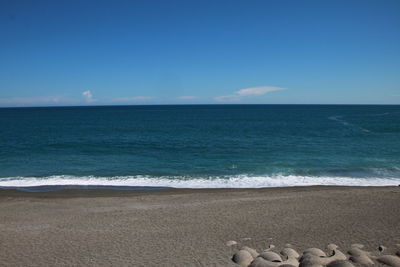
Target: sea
199, 146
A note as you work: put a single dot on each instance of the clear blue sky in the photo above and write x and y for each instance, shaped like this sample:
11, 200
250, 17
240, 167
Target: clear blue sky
184, 52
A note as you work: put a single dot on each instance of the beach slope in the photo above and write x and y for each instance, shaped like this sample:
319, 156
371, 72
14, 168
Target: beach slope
182, 227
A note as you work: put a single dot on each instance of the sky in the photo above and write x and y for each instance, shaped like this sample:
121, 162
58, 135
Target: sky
57, 53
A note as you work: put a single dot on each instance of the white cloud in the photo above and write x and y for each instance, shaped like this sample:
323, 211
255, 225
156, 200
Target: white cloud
187, 97
258, 90
88, 96
134, 98
246, 92
227, 98
30, 101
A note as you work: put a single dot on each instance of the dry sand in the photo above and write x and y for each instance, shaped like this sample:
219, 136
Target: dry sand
188, 227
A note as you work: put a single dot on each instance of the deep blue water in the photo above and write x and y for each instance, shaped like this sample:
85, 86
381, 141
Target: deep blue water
200, 145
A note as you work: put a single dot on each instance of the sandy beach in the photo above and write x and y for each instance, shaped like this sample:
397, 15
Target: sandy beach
189, 227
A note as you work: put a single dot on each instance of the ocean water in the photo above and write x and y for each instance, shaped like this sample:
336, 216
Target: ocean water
200, 146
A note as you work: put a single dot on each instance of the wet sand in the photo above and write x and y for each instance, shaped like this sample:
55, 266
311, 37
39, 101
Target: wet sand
188, 227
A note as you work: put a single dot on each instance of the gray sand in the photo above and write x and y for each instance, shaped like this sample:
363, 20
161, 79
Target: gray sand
189, 227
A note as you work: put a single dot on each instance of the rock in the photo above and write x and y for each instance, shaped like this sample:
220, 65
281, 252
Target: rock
311, 259
310, 263
270, 247
231, 243
331, 247
355, 251
360, 256
290, 253
243, 258
271, 256
340, 263
253, 252
357, 245
362, 259
260, 262
338, 255
291, 262
389, 260
381, 248
314, 251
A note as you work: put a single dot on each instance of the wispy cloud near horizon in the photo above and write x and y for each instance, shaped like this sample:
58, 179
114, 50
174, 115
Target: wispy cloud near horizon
30, 101
133, 98
187, 97
246, 92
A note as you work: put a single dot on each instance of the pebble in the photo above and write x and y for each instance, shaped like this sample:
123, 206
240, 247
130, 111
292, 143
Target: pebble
231, 243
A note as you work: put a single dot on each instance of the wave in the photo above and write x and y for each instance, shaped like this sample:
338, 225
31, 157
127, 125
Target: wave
240, 181
340, 120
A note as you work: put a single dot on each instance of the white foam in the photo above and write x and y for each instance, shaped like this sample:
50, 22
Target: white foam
241, 181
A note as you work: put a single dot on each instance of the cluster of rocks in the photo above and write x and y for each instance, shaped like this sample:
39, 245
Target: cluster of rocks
313, 257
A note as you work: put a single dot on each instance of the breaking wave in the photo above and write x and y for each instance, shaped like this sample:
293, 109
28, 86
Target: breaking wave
239, 181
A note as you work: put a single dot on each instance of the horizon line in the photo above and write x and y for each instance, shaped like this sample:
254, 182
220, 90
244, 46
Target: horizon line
214, 104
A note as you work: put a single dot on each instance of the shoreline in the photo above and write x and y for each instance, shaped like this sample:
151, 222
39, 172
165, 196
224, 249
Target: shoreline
189, 227
126, 191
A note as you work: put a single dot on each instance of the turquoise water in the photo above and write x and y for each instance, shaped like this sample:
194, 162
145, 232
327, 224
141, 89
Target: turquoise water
200, 145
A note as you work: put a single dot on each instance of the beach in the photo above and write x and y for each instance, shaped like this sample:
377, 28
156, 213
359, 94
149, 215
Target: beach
200, 133
188, 227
